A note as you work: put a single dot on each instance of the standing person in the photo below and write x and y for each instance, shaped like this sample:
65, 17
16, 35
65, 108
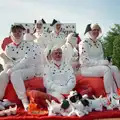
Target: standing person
93, 63
42, 36
57, 37
39, 28
58, 75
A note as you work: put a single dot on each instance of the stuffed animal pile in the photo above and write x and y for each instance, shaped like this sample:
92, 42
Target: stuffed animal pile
77, 105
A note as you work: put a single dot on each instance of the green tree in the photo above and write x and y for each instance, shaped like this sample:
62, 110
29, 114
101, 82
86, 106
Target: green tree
109, 39
116, 52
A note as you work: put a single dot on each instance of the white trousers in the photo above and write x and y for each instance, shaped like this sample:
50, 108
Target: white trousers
110, 74
18, 77
4, 79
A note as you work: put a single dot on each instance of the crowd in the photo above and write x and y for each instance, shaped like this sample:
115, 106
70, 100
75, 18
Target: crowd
55, 57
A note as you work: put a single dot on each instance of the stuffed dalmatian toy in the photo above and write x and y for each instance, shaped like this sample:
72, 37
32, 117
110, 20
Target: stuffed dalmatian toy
69, 106
7, 108
59, 109
95, 104
78, 102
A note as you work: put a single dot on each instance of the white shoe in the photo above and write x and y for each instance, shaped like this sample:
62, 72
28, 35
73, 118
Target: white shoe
25, 104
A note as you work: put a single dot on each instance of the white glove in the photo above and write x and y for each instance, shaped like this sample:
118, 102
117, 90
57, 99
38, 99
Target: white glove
71, 39
104, 62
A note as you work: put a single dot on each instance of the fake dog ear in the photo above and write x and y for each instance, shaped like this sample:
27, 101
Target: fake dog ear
73, 99
85, 102
65, 104
79, 95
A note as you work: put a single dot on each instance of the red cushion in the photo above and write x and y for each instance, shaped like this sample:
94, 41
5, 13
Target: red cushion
88, 85
33, 83
96, 83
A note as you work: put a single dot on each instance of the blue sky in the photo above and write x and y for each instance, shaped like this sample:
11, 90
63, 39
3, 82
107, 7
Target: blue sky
81, 12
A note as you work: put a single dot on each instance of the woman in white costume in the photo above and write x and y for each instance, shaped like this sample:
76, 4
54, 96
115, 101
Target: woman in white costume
42, 36
56, 36
58, 75
39, 28
93, 63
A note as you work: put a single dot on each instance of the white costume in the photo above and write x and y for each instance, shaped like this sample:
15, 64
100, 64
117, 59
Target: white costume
29, 37
60, 79
14, 54
42, 36
56, 37
27, 68
43, 40
39, 31
25, 59
93, 64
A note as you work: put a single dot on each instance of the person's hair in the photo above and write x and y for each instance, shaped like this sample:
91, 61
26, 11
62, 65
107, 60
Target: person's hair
18, 26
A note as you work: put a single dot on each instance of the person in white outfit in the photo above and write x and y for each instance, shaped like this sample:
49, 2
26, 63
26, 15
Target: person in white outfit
58, 75
56, 36
8, 63
26, 62
42, 36
93, 63
39, 28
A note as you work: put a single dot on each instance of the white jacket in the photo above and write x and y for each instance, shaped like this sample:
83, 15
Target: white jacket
60, 78
25, 55
91, 53
43, 40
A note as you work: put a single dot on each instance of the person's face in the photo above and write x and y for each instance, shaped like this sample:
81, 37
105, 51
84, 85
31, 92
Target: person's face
58, 27
38, 25
57, 54
95, 33
17, 34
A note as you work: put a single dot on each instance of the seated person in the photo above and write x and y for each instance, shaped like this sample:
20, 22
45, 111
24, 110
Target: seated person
93, 63
58, 75
26, 59
16, 33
